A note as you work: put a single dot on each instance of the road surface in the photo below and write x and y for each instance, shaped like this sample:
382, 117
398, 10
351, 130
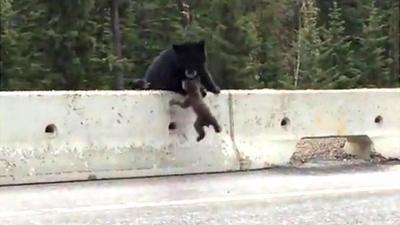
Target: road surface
363, 195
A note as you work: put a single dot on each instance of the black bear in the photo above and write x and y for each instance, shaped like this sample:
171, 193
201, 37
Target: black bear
177, 63
194, 99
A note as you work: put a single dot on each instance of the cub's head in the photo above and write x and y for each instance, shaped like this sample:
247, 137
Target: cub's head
191, 57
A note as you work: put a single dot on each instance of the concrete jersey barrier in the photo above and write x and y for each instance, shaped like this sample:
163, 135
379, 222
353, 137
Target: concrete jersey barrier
268, 124
57, 136
63, 135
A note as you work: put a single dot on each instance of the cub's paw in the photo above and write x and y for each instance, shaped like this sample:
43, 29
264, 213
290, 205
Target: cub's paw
217, 129
200, 137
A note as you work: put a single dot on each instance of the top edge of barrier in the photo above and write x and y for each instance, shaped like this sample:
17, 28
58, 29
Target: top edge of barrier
83, 92
315, 91
226, 91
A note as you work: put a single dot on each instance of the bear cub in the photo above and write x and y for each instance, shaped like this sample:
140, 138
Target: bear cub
194, 99
177, 63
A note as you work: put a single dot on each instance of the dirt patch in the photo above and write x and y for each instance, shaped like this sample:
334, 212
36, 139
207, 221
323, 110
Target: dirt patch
326, 149
322, 149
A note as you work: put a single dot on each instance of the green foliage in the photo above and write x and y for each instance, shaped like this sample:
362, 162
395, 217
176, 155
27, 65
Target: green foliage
6, 41
233, 43
22, 64
251, 44
373, 63
337, 56
275, 53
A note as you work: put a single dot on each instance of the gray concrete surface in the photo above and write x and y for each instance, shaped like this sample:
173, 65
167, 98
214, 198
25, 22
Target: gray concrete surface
346, 194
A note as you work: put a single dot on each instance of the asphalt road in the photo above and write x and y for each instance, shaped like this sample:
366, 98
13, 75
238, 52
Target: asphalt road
330, 194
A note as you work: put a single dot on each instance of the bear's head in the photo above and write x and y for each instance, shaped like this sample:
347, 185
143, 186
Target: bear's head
191, 57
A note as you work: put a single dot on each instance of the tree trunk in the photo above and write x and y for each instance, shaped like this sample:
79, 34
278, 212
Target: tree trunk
116, 34
299, 46
184, 10
395, 39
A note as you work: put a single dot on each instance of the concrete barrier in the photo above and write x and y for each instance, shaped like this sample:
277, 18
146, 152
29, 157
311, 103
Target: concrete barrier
61, 136
267, 124
57, 136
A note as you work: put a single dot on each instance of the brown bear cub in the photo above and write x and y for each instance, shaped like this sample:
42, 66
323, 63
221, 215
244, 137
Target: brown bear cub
195, 99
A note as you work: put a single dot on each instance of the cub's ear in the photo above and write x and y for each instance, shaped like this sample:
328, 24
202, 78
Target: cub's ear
178, 48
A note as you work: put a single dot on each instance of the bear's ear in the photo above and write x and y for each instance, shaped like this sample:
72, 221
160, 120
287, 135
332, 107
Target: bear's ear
202, 43
178, 48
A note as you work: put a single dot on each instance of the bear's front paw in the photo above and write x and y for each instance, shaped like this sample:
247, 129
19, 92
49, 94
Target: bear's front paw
217, 90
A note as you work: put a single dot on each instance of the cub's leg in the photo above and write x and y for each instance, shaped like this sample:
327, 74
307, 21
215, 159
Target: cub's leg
215, 124
200, 130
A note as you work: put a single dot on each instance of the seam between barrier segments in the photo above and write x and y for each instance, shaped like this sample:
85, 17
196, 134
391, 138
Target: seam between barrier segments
232, 129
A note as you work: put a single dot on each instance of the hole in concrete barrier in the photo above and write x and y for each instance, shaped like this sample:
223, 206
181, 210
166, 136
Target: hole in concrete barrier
335, 151
311, 149
50, 129
172, 126
285, 122
378, 119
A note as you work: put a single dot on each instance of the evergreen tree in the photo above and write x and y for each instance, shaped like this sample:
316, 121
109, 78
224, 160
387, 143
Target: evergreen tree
372, 63
337, 56
147, 28
274, 23
251, 44
22, 64
67, 42
233, 40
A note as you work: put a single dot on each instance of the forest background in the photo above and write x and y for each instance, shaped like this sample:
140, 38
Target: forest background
280, 44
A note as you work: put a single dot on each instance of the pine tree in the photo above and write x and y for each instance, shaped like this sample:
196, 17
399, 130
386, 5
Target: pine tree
337, 57
373, 64
22, 64
147, 28
67, 42
250, 44
233, 40
276, 35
